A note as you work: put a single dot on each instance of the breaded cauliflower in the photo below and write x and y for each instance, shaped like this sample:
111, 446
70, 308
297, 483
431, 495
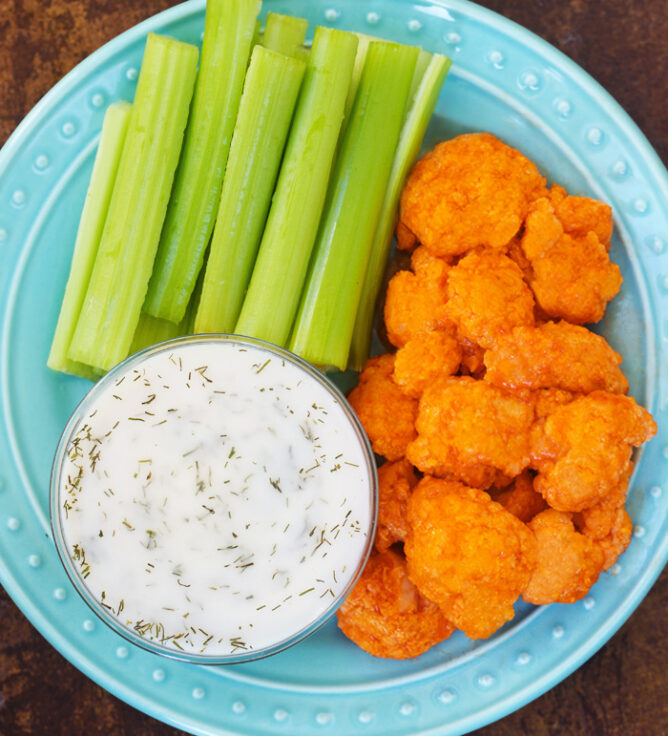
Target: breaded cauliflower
568, 562
581, 215
415, 302
582, 451
424, 358
555, 355
609, 526
465, 422
406, 240
422, 260
571, 274
468, 554
387, 414
473, 358
395, 484
487, 297
387, 616
520, 498
472, 190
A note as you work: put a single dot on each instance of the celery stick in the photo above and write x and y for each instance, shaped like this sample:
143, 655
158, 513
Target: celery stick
138, 203
326, 317
94, 213
414, 127
363, 41
423, 61
152, 330
284, 34
268, 102
258, 35
229, 29
273, 294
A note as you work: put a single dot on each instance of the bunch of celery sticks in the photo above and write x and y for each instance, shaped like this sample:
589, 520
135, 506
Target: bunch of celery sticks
255, 195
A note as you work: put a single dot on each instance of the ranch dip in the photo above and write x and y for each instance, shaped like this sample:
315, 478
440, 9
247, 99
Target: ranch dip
215, 498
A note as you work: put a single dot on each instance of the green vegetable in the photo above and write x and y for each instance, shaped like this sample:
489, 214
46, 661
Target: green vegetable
268, 102
271, 302
326, 318
228, 33
94, 213
131, 233
285, 34
414, 128
152, 330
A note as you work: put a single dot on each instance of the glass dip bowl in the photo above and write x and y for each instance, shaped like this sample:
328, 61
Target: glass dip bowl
214, 499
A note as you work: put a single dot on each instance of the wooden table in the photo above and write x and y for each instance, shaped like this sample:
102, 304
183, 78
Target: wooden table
622, 690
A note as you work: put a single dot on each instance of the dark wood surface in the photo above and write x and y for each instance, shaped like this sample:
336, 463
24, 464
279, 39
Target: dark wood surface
622, 690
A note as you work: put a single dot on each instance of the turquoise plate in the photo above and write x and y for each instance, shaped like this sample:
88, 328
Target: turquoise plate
504, 80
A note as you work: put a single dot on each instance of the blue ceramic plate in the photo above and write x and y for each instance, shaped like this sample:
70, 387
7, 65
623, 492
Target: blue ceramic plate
504, 80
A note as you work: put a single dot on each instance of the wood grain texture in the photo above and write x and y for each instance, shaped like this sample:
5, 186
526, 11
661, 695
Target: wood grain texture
622, 690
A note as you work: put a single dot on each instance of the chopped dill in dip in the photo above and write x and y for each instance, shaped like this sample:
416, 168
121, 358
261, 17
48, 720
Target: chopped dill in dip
215, 497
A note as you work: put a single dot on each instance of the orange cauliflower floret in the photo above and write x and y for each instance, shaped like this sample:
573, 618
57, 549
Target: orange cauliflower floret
468, 554
424, 358
387, 616
548, 400
406, 240
472, 190
520, 498
395, 483
464, 422
415, 302
582, 451
571, 275
581, 215
487, 297
555, 355
568, 562
473, 358
422, 259
610, 527
386, 413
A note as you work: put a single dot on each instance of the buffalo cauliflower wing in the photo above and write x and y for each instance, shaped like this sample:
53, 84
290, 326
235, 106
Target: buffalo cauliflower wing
568, 562
415, 302
610, 526
582, 451
487, 297
463, 422
555, 355
470, 191
468, 554
387, 616
581, 215
395, 483
387, 414
520, 498
571, 274
424, 358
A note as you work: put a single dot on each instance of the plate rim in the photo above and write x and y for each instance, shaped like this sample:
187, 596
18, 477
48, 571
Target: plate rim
643, 582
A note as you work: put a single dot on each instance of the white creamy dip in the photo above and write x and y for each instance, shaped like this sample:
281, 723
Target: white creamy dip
215, 498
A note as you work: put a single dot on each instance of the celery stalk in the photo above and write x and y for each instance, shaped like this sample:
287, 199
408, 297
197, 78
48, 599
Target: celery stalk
414, 127
326, 318
138, 203
152, 330
363, 41
268, 102
273, 294
229, 29
284, 34
86, 245
423, 61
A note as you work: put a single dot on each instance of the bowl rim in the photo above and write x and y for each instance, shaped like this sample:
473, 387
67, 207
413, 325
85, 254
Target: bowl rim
55, 496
